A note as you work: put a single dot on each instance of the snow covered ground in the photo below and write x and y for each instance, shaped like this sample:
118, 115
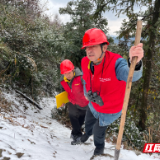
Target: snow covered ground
33, 135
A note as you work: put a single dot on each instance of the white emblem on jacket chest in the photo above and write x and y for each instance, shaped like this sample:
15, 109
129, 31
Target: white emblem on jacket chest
104, 79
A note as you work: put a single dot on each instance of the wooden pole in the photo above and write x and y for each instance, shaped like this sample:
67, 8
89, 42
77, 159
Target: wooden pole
127, 92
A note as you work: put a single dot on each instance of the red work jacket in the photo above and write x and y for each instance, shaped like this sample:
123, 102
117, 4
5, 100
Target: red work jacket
75, 92
111, 90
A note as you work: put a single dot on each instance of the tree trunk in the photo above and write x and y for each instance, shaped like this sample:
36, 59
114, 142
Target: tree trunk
148, 70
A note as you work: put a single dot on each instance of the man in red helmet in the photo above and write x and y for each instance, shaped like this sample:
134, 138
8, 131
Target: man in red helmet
105, 75
71, 81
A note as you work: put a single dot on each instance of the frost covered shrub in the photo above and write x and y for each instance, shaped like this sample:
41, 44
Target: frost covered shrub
132, 137
153, 127
29, 49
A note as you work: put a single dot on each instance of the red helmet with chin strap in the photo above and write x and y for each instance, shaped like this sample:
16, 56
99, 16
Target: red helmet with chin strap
94, 36
66, 66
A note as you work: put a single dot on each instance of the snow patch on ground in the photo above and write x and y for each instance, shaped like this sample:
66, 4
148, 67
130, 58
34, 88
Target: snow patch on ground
31, 134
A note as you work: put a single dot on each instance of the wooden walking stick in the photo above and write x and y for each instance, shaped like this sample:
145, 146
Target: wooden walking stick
127, 92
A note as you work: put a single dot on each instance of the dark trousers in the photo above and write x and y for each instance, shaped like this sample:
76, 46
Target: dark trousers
92, 127
77, 117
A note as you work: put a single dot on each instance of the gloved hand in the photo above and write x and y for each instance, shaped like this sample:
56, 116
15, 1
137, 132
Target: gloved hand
136, 51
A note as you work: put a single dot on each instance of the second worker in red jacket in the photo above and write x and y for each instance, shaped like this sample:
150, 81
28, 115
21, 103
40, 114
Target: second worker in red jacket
71, 81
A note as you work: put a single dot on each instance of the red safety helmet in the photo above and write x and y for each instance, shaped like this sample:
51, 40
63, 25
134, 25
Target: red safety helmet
66, 66
94, 36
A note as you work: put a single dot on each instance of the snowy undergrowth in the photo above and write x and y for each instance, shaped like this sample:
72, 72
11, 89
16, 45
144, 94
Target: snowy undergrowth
31, 134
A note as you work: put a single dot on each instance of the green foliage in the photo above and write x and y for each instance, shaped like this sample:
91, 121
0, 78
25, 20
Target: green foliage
29, 48
132, 137
132, 134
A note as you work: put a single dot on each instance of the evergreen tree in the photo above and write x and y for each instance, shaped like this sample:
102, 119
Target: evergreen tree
81, 13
